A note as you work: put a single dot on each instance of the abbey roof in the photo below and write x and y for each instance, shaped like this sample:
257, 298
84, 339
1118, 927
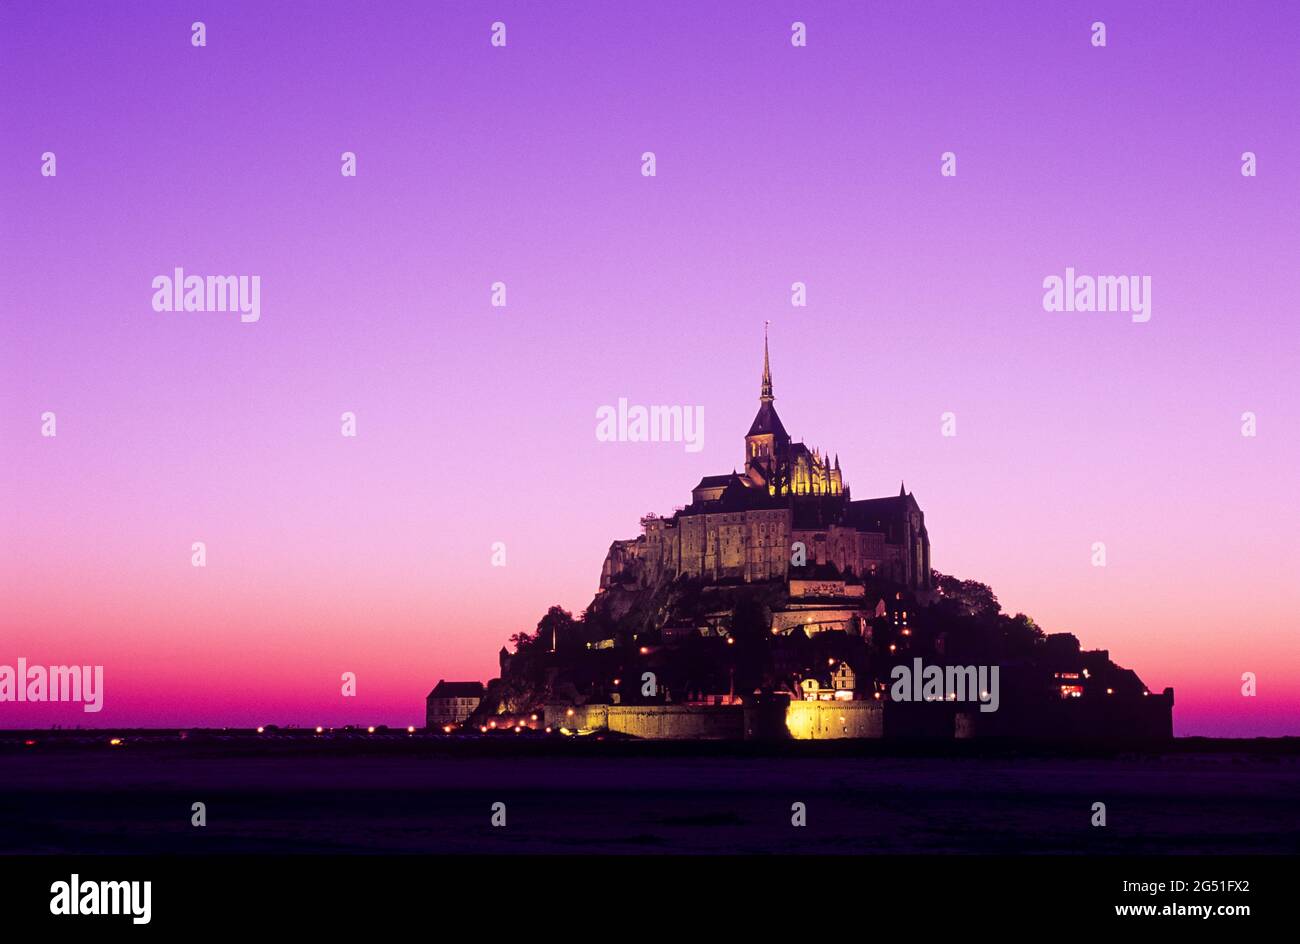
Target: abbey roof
446, 689
767, 422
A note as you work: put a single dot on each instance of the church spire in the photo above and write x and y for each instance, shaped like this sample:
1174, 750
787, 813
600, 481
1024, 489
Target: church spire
765, 396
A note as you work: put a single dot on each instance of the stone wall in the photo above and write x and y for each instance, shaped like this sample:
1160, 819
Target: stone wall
1148, 717
819, 619
693, 722
804, 720
823, 720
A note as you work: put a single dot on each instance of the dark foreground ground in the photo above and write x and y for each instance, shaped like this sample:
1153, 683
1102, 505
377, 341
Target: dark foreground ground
399, 794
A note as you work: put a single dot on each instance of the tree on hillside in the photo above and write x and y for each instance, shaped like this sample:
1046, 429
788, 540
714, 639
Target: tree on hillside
970, 596
555, 628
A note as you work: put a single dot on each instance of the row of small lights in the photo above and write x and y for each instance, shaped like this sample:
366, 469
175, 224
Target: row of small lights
518, 726
492, 725
410, 729
117, 741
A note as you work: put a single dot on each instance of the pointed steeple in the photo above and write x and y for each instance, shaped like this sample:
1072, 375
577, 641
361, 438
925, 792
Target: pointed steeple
765, 395
767, 441
902, 492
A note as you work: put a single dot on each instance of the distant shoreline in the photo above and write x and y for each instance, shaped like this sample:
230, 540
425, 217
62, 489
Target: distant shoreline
35, 741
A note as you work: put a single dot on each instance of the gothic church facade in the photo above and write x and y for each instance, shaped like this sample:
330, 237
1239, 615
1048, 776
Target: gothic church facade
744, 526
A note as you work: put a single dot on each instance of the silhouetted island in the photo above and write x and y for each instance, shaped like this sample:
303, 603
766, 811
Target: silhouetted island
775, 606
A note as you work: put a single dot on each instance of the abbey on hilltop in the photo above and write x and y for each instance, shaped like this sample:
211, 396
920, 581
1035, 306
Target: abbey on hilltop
790, 506
776, 607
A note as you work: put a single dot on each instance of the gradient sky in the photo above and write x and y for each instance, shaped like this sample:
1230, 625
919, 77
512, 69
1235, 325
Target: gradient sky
476, 424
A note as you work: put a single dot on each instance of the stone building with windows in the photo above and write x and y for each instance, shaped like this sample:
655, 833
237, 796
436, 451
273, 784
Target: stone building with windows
452, 702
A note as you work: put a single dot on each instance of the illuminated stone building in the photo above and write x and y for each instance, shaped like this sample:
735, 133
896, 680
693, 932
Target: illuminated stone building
745, 526
451, 702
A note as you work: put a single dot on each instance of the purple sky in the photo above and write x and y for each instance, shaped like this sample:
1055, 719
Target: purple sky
476, 424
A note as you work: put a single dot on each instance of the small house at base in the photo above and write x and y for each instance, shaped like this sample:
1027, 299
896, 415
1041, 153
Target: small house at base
452, 702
